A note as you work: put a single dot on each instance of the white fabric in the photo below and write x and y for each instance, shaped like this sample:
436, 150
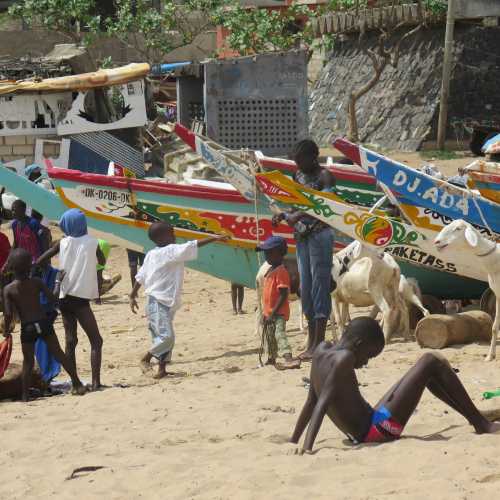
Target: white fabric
77, 256
162, 274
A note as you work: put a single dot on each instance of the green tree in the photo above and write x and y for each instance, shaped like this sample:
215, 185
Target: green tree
150, 27
253, 30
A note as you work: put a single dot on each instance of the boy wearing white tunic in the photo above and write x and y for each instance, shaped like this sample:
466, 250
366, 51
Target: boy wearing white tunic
162, 276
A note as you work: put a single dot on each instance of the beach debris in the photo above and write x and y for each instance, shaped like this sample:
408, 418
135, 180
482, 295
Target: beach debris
491, 394
278, 409
232, 369
78, 472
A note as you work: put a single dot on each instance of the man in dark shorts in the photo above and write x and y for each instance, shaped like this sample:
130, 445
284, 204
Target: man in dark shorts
135, 259
334, 391
23, 296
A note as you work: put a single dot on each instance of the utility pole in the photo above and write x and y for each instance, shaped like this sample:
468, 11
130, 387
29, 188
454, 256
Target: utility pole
445, 83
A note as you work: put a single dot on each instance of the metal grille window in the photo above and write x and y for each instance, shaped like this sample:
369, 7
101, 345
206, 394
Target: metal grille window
258, 123
196, 111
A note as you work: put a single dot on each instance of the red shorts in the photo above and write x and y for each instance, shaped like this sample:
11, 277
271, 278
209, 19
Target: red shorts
384, 428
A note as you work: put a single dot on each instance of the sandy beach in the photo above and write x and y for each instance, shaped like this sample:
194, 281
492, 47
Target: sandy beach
217, 429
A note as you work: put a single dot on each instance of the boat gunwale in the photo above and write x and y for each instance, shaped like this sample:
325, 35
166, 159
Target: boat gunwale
144, 185
485, 177
345, 175
281, 164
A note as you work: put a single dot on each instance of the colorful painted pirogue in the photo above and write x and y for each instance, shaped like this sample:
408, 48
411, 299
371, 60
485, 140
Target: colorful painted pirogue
454, 286
429, 203
194, 211
352, 184
485, 177
121, 209
228, 164
487, 184
411, 247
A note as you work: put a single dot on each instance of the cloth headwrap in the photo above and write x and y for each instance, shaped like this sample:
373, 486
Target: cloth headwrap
31, 168
73, 223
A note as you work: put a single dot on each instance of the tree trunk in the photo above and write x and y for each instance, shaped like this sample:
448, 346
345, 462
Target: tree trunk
353, 134
439, 330
356, 95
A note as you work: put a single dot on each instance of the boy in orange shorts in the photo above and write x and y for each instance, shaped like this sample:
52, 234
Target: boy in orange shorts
275, 299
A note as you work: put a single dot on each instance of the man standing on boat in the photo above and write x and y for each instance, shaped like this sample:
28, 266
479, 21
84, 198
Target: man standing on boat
314, 247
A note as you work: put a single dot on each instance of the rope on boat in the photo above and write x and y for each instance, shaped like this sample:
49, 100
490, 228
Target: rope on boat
483, 218
268, 341
256, 210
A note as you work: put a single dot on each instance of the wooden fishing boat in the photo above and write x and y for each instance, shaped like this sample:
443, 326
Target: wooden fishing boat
120, 210
81, 82
228, 164
437, 274
194, 211
455, 285
485, 177
488, 167
412, 187
353, 185
487, 184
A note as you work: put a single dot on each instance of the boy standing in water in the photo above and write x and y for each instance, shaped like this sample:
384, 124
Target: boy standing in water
275, 299
162, 276
23, 296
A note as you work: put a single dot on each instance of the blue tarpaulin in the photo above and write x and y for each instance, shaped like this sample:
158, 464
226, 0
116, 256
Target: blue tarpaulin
162, 69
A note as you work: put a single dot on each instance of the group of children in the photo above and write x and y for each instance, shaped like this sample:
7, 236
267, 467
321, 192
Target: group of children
36, 290
36, 287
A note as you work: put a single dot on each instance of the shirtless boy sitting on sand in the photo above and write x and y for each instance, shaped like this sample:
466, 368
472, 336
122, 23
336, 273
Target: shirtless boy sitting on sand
334, 391
23, 296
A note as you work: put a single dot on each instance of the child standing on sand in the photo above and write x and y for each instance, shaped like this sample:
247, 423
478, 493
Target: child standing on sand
162, 276
79, 255
27, 231
23, 296
275, 300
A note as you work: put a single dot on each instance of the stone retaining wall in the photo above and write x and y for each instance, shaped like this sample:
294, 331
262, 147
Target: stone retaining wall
401, 111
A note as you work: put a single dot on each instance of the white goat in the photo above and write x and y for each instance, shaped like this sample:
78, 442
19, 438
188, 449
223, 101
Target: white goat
408, 288
462, 237
410, 292
373, 278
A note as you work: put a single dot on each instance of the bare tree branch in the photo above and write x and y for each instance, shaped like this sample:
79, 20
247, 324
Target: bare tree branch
397, 47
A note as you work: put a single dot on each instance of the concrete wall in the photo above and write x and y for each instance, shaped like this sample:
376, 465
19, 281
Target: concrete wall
23, 147
468, 9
